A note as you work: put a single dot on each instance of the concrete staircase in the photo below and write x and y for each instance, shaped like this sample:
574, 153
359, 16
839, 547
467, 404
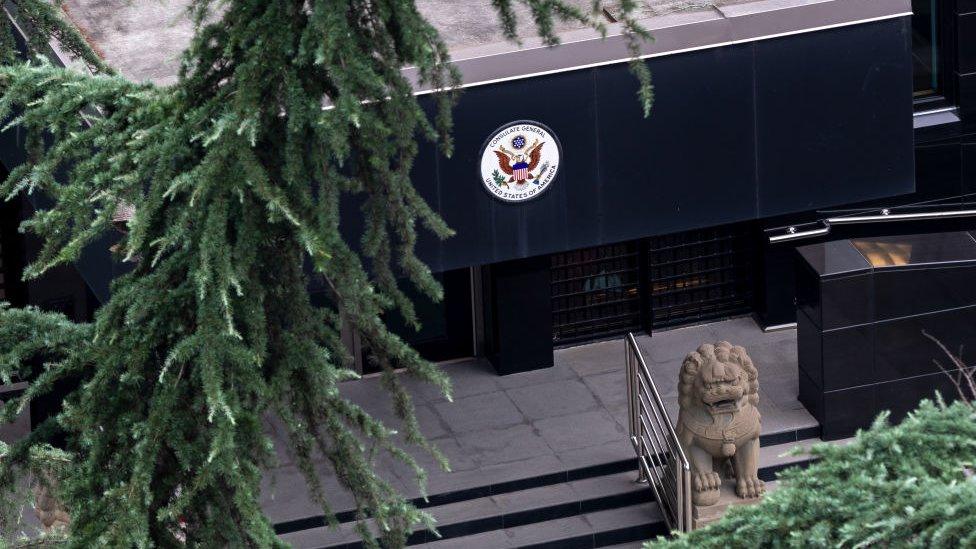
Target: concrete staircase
597, 506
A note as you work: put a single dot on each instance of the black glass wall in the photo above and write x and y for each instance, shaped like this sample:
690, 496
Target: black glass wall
446, 327
5, 271
12, 289
702, 275
657, 282
926, 47
595, 291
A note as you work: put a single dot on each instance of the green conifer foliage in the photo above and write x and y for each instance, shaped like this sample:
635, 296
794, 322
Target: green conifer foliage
235, 172
907, 485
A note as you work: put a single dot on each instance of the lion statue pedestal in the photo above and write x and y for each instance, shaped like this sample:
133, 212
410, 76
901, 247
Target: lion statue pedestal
703, 515
718, 422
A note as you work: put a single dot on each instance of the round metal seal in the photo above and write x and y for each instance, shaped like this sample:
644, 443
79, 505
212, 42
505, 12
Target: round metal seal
520, 161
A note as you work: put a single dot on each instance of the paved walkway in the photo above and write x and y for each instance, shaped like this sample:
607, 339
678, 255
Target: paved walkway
565, 417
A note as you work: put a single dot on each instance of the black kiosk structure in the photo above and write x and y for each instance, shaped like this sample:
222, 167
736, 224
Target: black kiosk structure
870, 315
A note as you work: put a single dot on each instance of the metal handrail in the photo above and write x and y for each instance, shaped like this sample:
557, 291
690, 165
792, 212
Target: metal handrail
662, 462
940, 208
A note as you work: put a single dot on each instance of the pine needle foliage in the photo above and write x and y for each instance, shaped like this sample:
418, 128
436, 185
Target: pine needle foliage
908, 485
236, 174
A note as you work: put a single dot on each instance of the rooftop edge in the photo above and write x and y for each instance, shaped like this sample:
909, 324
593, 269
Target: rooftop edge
672, 34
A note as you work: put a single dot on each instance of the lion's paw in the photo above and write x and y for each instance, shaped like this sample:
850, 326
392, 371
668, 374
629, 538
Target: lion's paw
705, 481
750, 487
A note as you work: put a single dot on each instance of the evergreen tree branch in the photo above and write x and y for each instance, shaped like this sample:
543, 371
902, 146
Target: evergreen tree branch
46, 21
236, 173
902, 485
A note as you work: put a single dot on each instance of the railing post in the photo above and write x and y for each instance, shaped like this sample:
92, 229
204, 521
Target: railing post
687, 511
633, 411
641, 473
664, 465
631, 407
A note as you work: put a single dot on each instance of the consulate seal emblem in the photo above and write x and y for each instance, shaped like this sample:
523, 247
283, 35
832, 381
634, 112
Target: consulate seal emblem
519, 161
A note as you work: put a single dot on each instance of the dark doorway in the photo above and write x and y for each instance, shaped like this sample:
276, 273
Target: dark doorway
595, 292
12, 288
446, 330
702, 275
657, 282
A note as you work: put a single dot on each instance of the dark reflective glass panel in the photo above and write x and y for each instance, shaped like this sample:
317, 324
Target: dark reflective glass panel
446, 326
917, 249
595, 291
925, 47
837, 257
3, 275
701, 275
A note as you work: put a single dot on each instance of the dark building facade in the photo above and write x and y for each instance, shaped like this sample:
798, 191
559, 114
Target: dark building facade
871, 314
770, 117
658, 222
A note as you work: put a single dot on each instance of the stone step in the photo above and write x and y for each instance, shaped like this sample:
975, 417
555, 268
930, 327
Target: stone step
773, 459
599, 529
599, 464
501, 511
533, 505
513, 482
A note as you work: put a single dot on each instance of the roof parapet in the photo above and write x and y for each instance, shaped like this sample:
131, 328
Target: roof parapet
673, 33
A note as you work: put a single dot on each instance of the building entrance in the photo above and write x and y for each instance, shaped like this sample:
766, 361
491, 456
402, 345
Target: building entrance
656, 282
702, 275
447, 328
596, 291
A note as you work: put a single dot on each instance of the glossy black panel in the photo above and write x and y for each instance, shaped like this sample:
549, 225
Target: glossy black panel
967, 96
698, 160
844, 412
902, 396
937, 173
967, 48
658, 176
521, 315
446, 326
834, 258
847, 301
776, 303
811, 157
808, 292
922, 287
809, 348
903, 350
489, 230
967, 163
900, 293
848, 357
811, 396
917, 250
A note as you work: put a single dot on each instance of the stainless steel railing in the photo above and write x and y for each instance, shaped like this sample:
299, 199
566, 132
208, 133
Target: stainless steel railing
661, 461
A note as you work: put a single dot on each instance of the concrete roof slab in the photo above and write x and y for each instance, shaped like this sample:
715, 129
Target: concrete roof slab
143, 39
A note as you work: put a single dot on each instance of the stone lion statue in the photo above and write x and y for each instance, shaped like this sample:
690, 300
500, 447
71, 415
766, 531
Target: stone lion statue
718, 422
48, 508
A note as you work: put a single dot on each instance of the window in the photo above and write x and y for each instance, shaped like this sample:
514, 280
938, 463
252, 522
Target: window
927, 50
702, 275
654, 283
595, 292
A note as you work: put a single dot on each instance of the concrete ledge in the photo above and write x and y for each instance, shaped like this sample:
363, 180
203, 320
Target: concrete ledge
144, 38
673, 33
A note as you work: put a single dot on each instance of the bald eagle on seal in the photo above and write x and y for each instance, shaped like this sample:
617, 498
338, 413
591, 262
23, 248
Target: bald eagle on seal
519, 165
